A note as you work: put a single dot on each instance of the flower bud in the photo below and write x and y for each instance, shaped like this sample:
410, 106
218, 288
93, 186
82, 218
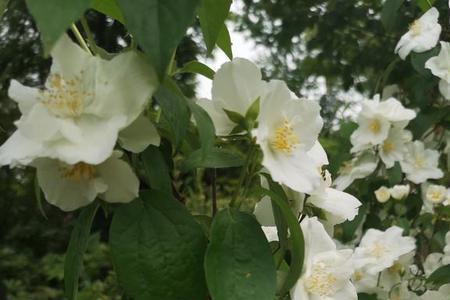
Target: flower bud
382, 194
399, 191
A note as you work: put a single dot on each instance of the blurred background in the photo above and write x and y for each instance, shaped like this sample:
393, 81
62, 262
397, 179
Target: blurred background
331, 51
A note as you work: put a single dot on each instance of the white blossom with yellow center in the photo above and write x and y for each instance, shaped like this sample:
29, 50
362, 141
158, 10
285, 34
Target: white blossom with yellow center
379, 250
420, 164
359, 167
392, 148
423, 34
375, 122
72, 186
85, 103
327, 271
287, 133
440, 67
435, 194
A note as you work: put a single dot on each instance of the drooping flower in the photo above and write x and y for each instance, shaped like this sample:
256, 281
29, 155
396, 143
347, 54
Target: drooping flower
375, 121
422, 36
359, 167
236, 85
288, 136
400, 191
420, 164
337, 205
379, 250
327, 271
440, 67
392, 148
383, 194
73, 186
86, 101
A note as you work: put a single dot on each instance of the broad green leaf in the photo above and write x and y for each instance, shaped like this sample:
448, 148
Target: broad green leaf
349, 227
215, 158
54, 17
389, 13
427, 119
363, 296
205, 222
296, 238
395, 174
205, 127
212, 15
440, 277
79, 238
238, 261
3, 6
109, 8
156, 169
175, 110
197, 67
158, 26
224, 42
418, 60
157, 249
425, 5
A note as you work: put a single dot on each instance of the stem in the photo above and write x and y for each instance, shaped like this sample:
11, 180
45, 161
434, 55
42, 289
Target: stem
80, 38
89, 35
428, 1
243, 176
214, 192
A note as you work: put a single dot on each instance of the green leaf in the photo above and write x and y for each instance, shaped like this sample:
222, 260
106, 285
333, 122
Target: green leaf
296, 238
215, 158
395, 174
418, 60
158, 26
197, 67
109, 8
205, 127
212, 15
3, 6
156, 169
252, 112
424, 5
349, 227
236, 118
175, 110
224, 42
205, 222
79, 238
364, 296
157, 249
389, 13
238, 261
440, 277
54, 17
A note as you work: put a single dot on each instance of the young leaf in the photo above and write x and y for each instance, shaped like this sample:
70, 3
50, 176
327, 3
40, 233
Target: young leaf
224, 42
109, 8
205, 127
236, 118
418, 60
53, 17
175, 110
73, 261
212, 15
197, 68
389, 13
395, 174
238, 261
425, 5
158, 26
214, 158
157, 248
156, 169
440, 276
252, 112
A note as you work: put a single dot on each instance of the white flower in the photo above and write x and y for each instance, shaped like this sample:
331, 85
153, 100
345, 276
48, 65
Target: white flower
327, 271
359, 167
338, 206
379, 250
85, 103
236, 85
399, 192
288, 136
139, 135
435, 194
270, 232
375, 120
432, 262
392, 148
440, 67
382, 194
423, 34
72, 186
441, 294
420, 164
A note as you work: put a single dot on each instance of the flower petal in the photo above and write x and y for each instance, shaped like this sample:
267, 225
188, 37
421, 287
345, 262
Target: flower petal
139, 135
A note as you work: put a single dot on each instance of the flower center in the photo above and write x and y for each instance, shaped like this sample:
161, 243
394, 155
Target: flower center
64, 98
388, 146
375, 126
415, 28
435, 196
321, 282
79, 172
419, 162
357, 276
284, 140
378, 250
395, 268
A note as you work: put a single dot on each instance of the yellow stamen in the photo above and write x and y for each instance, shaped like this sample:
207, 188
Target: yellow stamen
284, 140
375, 126
388, 146
378, 250
415, 28
321, 282
79, 172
